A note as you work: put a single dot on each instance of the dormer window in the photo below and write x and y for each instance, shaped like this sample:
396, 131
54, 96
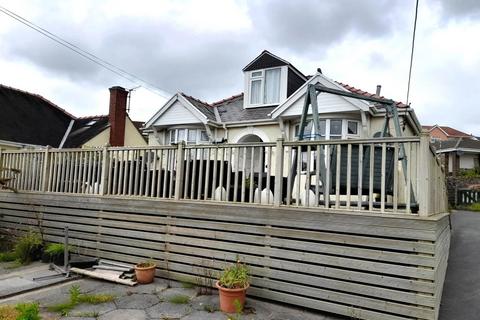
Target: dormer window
265, 86
269, 81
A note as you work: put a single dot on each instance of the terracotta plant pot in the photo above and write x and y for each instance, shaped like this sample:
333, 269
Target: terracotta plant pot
145, 273
231, 300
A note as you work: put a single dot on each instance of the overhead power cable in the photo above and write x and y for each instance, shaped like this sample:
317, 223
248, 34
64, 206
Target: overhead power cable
87, 55
411, 54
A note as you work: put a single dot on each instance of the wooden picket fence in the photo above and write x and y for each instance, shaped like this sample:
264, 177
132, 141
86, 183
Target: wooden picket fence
365, 175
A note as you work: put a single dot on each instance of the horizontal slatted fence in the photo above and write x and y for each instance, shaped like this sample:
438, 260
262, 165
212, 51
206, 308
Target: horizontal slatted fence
364, 266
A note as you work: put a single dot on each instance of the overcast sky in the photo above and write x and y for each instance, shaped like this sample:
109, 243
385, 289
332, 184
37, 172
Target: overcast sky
201, 47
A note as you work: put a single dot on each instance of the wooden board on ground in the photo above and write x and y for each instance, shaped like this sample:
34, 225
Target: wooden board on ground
108, 275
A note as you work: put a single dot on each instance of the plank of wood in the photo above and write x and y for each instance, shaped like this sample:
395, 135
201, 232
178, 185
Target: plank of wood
108, 276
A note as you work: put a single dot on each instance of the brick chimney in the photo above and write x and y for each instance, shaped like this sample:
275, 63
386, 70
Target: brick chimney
117, 115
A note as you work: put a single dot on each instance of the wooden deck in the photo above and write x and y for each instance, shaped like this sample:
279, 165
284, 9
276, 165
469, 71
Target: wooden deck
362, 265
354, 227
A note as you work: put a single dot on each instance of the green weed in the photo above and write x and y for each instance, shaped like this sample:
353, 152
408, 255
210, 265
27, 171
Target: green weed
28, 311
179, 299
76, 297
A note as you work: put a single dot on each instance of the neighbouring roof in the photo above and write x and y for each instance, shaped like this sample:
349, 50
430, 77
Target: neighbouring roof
84, 129
449, 131
457, 144
30, 118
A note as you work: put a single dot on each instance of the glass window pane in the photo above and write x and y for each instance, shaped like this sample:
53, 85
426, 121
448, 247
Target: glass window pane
256, 74
352, 127
181, 135
256, 92
323, 124
203, 135
172, 135
272, 85
192, 135
335, 127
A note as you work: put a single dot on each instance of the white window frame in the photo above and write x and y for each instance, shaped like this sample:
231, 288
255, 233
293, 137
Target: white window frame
174, 131
344, 135
261, 77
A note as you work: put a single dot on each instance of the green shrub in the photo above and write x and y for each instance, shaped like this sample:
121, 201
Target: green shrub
470, 173
235, 276
474, 207
7, 256
28, 246
28, 311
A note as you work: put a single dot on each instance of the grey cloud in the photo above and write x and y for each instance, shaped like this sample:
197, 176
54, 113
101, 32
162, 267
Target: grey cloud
301, 26
205, 65
460, 8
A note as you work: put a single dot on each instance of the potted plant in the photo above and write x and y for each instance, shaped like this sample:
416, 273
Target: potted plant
232, 287
145, 271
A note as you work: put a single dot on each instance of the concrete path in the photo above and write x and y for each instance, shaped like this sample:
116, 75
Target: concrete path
461, 292
154, 301
18, 280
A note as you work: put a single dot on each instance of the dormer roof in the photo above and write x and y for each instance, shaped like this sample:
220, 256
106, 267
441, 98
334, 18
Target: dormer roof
266, 59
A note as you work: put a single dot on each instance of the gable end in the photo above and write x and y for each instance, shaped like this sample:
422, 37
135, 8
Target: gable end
265, 60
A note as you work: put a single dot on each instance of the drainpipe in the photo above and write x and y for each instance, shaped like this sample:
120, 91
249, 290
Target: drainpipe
225, 134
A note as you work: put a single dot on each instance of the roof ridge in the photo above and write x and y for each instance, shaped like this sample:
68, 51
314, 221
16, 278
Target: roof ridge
213, 104
90, 117
196, 99
368, 94
42, 98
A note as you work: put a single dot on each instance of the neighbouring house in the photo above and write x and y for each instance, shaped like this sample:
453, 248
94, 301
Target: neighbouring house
459, 154
270, 108
444, 133
31, 121
115, 129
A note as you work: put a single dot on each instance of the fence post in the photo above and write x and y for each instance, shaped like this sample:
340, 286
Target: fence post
179, 171
423, 175
277, 196
104, 174
46, 169
1, 162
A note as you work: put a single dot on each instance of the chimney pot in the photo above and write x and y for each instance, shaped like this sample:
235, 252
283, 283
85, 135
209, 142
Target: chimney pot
379, 88
117, 115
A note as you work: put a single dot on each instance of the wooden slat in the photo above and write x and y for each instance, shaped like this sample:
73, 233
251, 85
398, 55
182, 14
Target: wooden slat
340, 262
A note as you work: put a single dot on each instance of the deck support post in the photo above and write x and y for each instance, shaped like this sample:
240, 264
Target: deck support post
277, 195
179, 171
105, 169
423, 171
46, 169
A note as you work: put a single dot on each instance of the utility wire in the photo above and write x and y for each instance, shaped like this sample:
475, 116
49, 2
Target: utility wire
411, 54
87, 55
